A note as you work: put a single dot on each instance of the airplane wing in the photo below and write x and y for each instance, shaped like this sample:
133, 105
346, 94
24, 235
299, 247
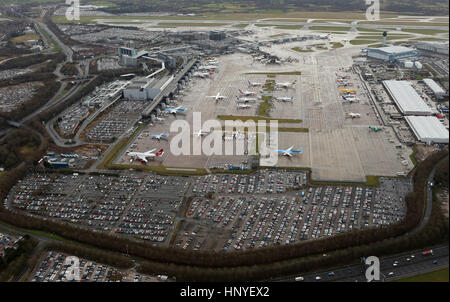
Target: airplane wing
142, 157
288, 154
290, 148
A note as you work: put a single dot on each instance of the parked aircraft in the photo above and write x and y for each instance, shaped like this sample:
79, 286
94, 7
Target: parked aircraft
247, 93
350, 99
252, 84
289, 152
217, 97
285, 85
143, 156
243, 106
160, 136
284, 99
175, 110
202, 75
353, 115
201, 133
376, 129
246, 100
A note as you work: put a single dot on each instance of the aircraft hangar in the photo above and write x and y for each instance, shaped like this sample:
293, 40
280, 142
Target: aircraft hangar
428, 129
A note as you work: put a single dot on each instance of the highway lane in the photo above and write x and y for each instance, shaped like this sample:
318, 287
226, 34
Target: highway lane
415, 264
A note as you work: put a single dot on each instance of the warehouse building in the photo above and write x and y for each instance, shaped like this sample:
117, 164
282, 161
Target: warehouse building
406, 98
428, 129
435, 47
435, 88
392, 53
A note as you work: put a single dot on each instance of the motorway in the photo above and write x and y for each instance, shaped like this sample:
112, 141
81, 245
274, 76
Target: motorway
417, 264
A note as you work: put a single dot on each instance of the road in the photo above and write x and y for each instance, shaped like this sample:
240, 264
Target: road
356, 273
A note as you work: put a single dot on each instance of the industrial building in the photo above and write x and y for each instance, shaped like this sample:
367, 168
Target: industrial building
406, 98
142, 88
436, 47
428, 129
392, 53
435, 88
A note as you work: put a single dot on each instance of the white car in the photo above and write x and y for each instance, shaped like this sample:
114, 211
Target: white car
391, 274
318, 278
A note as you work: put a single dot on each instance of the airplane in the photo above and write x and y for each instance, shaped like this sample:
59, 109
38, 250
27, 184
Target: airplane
201, 75
143, 156
243, 106
251, 84
353, 115
160, 136
217, 97
289, 152
350, 99
159, 119
347, 90
285, 85
175, 110
201, 133
247, 93
285, 99
246, 100
208, 67
376, 129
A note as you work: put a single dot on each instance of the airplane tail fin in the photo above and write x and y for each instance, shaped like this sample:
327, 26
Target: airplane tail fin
160, 152
240, 91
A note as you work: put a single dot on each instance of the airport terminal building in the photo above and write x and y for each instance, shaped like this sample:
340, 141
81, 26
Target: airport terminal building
406, 98
428, 129
392, 53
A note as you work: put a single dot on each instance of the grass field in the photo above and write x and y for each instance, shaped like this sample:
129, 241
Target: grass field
169, 24
330, 28
425, 31
337, 45
256, 118
23, 38
274, 15
413, 23
240, 25
361, 42
298, 49
436, 276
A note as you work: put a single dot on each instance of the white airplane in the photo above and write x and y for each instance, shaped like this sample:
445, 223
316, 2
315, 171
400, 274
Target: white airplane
217, 97
285, 99
202, 75
208, 67
159, 119
350, 99
143, 156
175, 110
246, 100
247, 93
285, 85
212, 62
160, 136
252, 84
353, 115
289, 152
201, 133
243, 106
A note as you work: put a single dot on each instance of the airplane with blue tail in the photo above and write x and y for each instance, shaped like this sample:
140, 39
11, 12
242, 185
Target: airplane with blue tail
160, 136
289, 152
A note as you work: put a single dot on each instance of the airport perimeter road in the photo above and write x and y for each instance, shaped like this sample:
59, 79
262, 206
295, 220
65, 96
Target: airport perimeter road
408, 264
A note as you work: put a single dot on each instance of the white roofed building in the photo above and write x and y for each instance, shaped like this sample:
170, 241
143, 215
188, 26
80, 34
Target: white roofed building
406, 98
435, 88
428, 129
